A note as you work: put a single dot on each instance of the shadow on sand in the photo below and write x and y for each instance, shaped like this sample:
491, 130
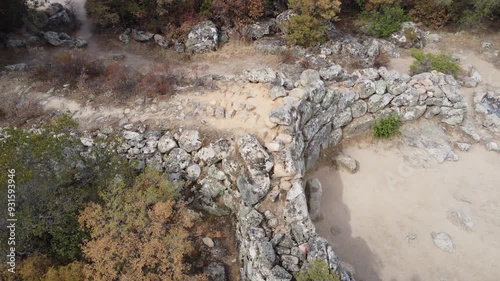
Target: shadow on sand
336, 227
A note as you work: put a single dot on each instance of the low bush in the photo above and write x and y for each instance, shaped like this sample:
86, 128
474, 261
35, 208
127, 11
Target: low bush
305, 31
426, 62
430, 13
386, 127
384, 21
318, 271
69, 68
382, 59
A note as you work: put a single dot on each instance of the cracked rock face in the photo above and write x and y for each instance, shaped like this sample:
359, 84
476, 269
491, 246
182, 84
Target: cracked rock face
202, 38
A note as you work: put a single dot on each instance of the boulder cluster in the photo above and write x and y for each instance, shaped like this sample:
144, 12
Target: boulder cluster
47, 28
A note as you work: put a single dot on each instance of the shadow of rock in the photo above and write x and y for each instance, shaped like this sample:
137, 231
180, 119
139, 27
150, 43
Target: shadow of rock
336, 227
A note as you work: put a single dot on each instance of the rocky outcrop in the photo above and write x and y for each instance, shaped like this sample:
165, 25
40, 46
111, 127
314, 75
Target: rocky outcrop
63, 40
487, 108
259, 29
202, 38
410, 36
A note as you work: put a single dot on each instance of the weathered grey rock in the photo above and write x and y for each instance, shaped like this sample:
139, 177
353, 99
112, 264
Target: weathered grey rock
314, 191
278, 273
378, 102
432, 111
359, 126
346, 99
452, 93
132, 136
309, 76
335, 137
211, 187
443, 241
16, 67
15, 43
193, 172
452, 116
60, 19
463, 146
215, 272
359, 108
492, 146
396, 87
342, 118
408, 98
190, 141
166, 143
202, 38
313, 149
367, 73
333, 72
258, 163
160, 41
277, 92
283, 115
273, 46
178, 159
347, 162
259, 29
261, 75
63, 40
141, 36
411, 113
283, 19
430, 137
410, 36
125, 36
365, 88
461, 219
380, 87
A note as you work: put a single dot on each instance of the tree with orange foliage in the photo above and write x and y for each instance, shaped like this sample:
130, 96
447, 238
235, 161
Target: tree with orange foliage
137, 233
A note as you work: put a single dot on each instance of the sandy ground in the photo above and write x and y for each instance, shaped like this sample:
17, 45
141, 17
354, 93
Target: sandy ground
380, 220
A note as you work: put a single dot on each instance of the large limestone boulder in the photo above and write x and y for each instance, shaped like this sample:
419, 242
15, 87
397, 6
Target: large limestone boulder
202, 38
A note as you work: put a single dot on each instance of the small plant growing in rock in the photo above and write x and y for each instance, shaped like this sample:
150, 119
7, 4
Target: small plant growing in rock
319, 271
425, 62
386, 127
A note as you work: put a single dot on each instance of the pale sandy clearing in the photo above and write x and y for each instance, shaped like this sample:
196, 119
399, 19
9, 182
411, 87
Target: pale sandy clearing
371, 216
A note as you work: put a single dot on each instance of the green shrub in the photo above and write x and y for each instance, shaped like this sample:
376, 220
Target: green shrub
384, 21
308, 27
426, 62
319, 271
305, 31
386, 127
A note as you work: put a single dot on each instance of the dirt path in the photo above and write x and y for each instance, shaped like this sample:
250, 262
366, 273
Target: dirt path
380, 220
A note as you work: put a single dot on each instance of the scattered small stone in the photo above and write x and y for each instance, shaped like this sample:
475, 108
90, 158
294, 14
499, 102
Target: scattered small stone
463, 146
461, 219
443, 241
410, 237
347, 162
486, 45
208, 241
492, 146
249, 106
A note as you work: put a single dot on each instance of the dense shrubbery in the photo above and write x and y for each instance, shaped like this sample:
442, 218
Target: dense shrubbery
309, 25
138, 232
11, 14
426, 62
386, 127
123, 81
318, 271
430, 13
384, 21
